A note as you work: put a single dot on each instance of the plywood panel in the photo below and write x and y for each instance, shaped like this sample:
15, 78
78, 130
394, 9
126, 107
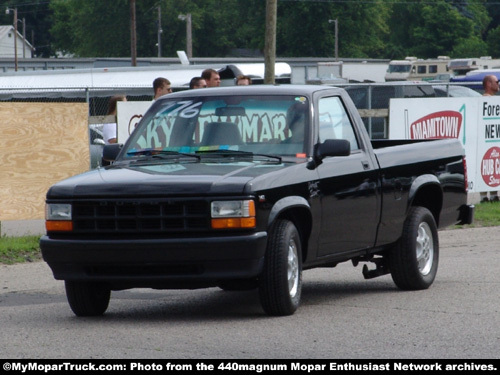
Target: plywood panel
40, 144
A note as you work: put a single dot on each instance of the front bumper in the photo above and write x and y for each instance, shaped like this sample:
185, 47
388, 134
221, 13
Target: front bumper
157, 263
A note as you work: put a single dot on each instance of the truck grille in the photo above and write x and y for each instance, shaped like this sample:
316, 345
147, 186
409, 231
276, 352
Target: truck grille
134, 216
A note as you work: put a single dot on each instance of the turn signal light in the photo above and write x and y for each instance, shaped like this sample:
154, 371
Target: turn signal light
58, 226
233, 222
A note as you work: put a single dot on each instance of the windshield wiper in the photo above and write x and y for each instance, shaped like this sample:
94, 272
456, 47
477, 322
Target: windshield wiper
160, 154
228, 153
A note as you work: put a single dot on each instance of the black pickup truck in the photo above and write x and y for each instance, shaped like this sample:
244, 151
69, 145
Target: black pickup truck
244, 188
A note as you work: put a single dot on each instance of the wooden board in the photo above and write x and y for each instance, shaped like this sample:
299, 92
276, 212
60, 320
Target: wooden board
40, 144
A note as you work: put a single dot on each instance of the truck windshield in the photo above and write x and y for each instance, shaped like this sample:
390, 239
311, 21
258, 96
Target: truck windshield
274, 125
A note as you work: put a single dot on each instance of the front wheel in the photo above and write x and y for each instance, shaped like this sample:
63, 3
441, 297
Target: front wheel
280, 285
414, 260
87, 298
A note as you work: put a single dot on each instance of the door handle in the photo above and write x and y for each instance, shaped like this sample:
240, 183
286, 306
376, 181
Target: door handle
365, 164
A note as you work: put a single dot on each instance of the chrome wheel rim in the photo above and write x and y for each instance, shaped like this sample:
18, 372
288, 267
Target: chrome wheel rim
425, 249
293, 268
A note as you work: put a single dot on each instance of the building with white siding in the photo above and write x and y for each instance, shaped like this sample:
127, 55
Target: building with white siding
7, 45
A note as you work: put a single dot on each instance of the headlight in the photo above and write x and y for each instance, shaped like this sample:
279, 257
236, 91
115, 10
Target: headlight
233, 214
58, 217
57, 211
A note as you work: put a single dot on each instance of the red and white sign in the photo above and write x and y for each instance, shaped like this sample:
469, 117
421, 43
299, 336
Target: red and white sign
490, 167
443, 124
432, 118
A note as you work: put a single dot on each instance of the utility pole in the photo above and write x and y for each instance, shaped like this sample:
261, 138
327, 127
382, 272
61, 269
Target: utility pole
15, 38
270, 41
24, 38
159, 31
189, 36
189, 33
336, 22
133, 34
7, 11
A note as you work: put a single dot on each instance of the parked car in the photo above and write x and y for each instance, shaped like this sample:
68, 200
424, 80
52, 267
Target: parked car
96, 146
454, 91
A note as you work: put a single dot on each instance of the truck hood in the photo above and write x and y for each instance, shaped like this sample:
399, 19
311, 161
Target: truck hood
167, 179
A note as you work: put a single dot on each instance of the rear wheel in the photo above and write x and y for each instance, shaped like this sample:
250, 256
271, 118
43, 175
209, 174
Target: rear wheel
414, 260
86, 298
280, 286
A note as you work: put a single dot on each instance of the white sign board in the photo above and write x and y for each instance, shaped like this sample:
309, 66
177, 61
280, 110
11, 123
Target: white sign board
488, 146
128, 115
474, 121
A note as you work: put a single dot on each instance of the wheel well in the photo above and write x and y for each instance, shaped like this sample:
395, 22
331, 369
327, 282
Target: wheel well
431, 197
302, 219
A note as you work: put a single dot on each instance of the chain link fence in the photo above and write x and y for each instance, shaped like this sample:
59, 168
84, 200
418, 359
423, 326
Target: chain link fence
371, 99
96, 98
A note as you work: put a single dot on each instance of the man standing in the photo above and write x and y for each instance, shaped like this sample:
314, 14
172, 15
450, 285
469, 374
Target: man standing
243, 80
490, 85
161, 86
197, 83
212, 77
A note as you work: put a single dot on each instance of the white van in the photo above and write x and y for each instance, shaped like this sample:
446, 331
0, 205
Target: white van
413, 69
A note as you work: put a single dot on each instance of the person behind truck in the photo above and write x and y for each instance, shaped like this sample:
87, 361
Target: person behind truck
243, 80
490, 85
212, 77
109, 129
197, 83
161, 86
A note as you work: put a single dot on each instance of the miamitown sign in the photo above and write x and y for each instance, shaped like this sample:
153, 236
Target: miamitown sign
433, 118
442, 124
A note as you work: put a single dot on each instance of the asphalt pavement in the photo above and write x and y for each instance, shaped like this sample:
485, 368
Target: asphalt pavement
341, 315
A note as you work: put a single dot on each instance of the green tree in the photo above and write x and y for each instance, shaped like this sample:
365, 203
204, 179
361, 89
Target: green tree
440, 27
364, 29
443, 27
304, 28
91, 28
493, 42
472, 46
367, 29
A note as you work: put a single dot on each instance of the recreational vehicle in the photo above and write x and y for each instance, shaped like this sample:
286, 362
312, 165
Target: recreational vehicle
413, 69
460, 67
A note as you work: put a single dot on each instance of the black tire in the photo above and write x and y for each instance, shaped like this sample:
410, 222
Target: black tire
413, 262
280, 285
87, 299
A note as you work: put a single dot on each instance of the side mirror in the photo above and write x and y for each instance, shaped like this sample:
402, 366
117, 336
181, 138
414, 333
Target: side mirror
330, 147
110, 152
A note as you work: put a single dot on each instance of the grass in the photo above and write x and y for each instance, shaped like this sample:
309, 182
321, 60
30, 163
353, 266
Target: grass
486, 214
19, 249
26, 249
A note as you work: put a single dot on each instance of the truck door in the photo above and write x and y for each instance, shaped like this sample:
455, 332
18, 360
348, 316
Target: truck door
348, 186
